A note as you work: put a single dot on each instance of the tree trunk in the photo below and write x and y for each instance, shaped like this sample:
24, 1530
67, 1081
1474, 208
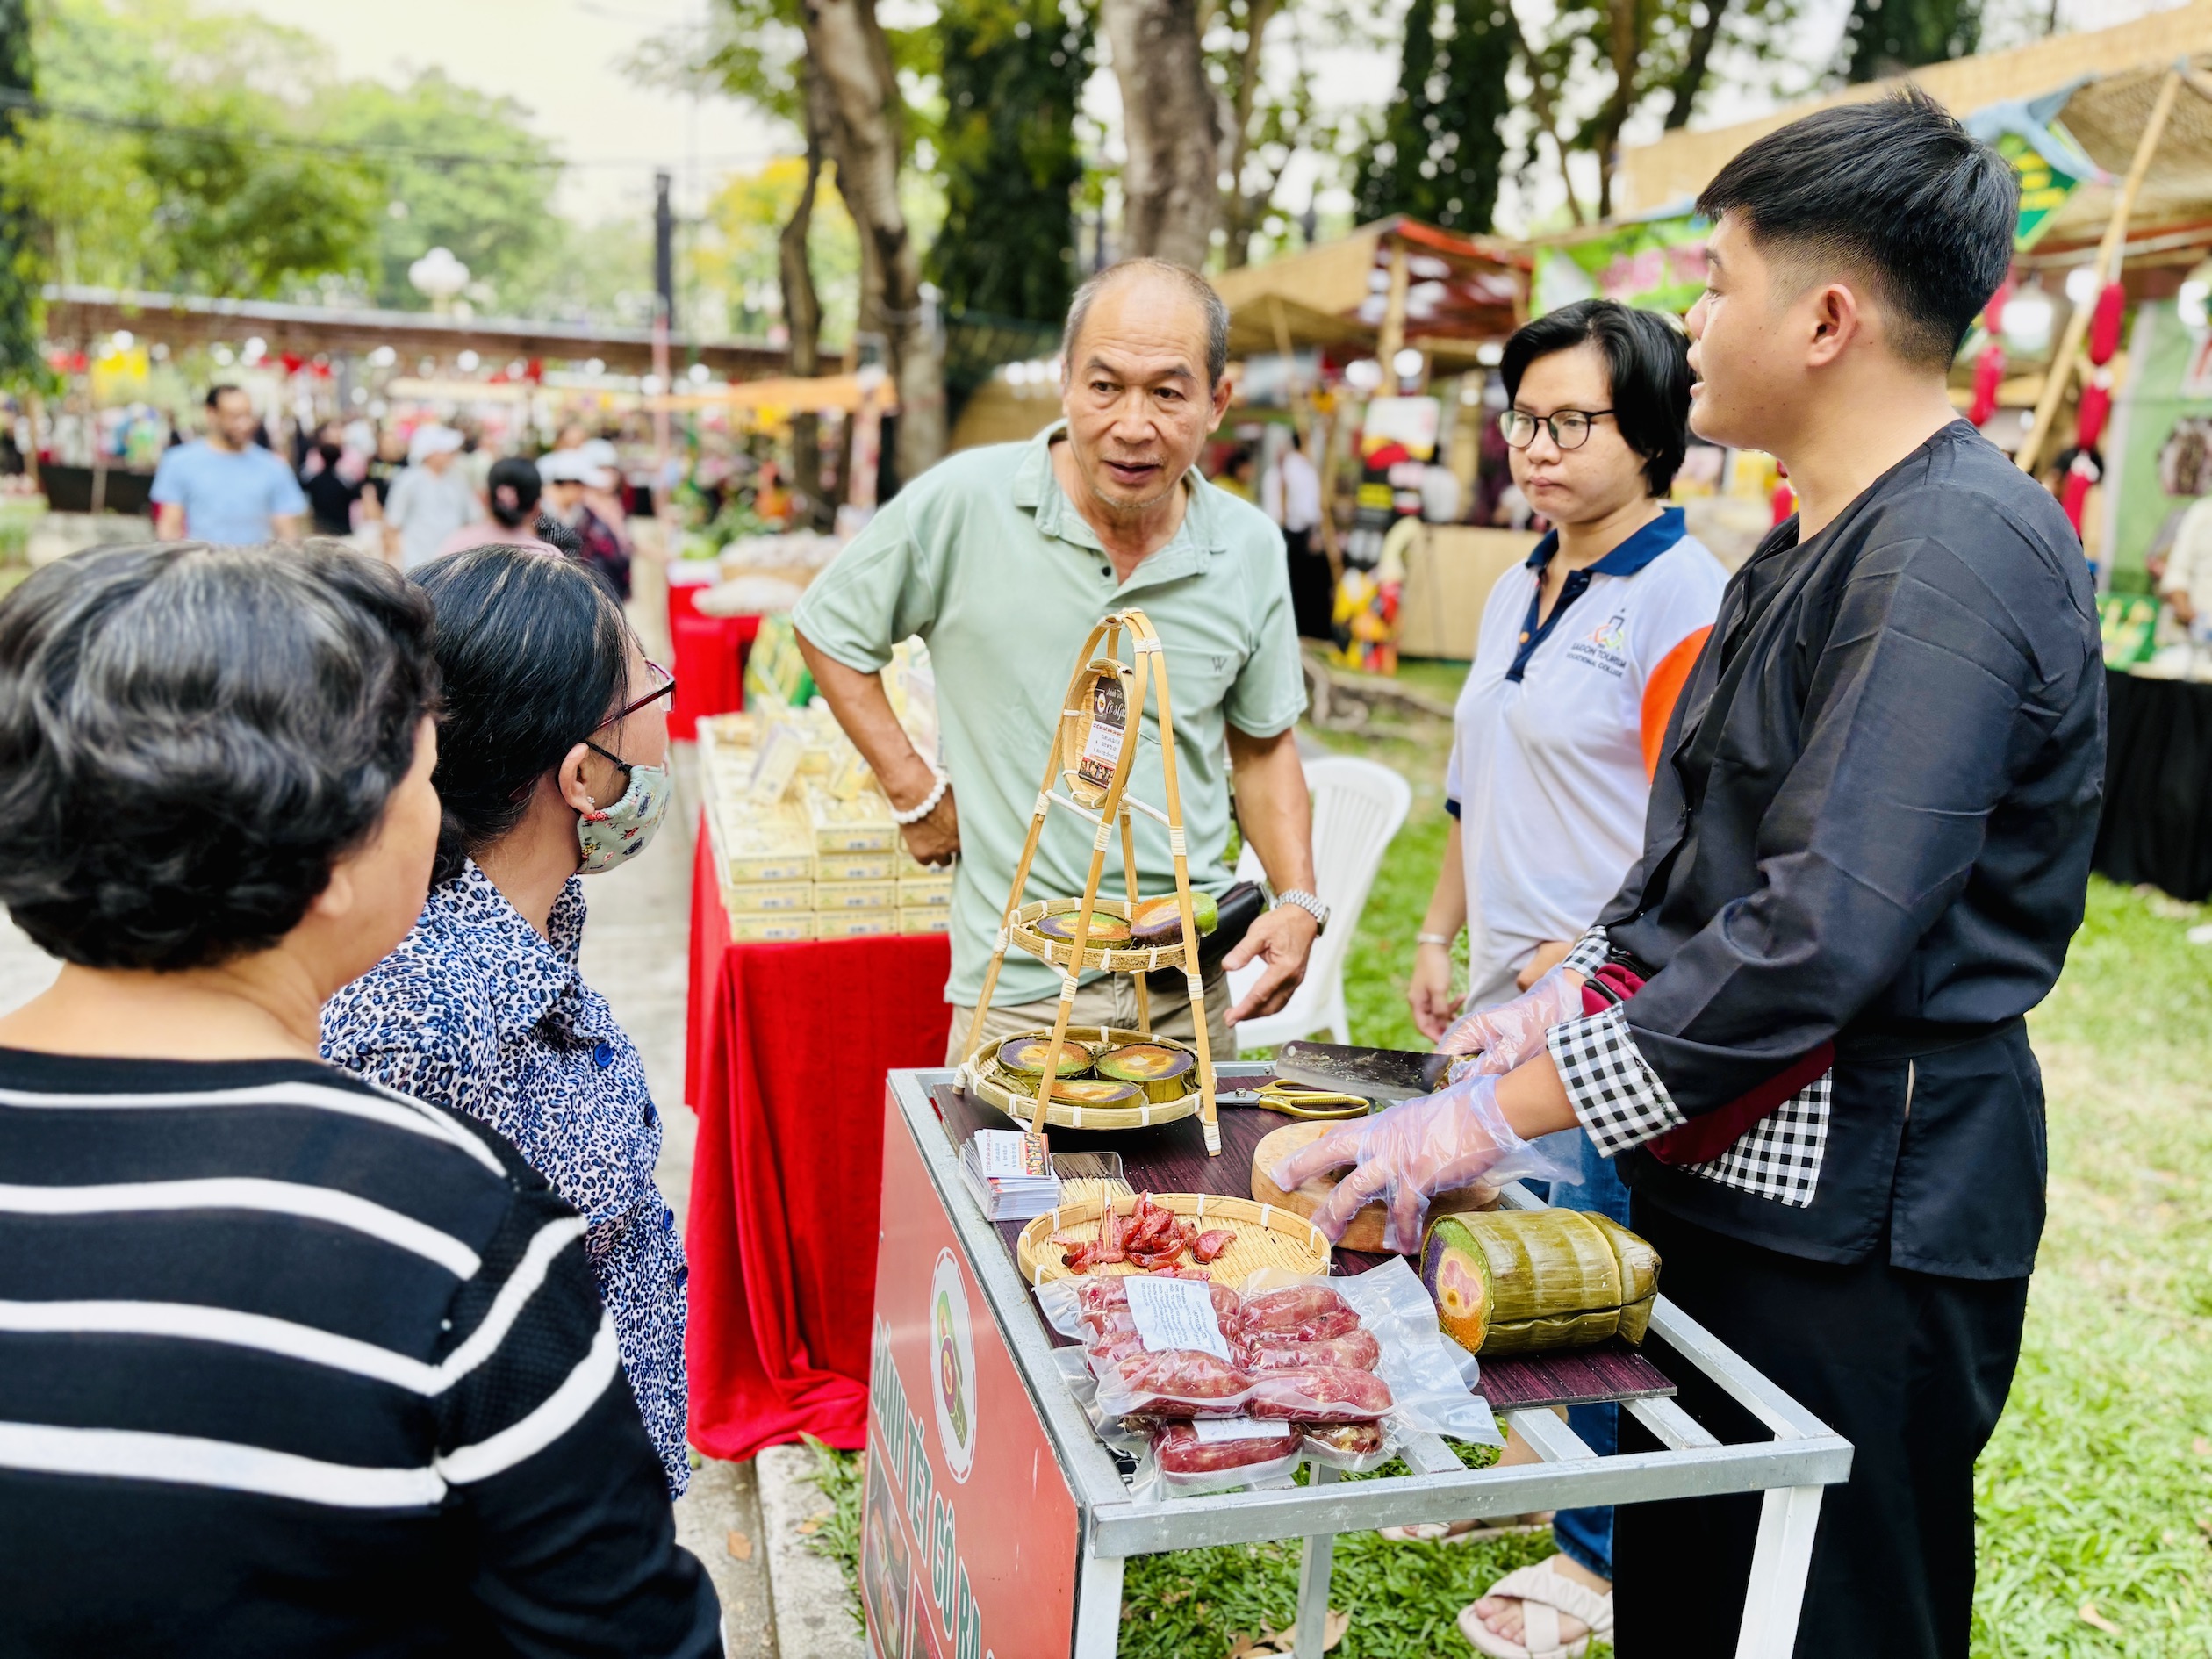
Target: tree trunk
1691, 80
803, 314
845, 43
22, 358
1171, 124
1623, 39
1241, 211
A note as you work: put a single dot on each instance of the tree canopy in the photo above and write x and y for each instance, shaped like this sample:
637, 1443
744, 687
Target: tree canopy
220, 155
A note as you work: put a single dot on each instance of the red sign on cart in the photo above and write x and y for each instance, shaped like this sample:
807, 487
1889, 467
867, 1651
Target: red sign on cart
969, 1533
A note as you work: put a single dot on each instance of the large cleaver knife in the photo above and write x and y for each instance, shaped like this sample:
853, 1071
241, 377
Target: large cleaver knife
1383, 1075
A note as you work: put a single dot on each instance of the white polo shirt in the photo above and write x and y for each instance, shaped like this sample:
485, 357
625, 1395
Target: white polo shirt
1557, 732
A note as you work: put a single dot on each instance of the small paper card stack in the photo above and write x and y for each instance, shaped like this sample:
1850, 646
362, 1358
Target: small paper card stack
1010, 1173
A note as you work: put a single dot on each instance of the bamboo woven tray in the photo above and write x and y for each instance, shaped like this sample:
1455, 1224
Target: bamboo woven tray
1267, 1237
1060, 953
981, 1077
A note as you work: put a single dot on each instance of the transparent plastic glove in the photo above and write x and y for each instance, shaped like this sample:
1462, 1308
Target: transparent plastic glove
1408, 1154
1513, 1033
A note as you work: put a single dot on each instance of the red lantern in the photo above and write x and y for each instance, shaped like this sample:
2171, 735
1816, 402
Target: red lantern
2096, 408
2104, 325
2073, 495
1989, 374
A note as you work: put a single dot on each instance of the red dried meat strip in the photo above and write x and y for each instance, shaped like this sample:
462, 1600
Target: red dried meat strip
1181, 1383
1358, 1349
1181, 1452
1291, 1306
1208, 1246
1322, 1393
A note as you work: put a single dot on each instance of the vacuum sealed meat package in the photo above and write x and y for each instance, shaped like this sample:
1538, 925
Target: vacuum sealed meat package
1301, 1312
1320, 1394
1172, 1382
1215, 1455
1222, 1389
1356, 1348
1356, 1448
1076, 1307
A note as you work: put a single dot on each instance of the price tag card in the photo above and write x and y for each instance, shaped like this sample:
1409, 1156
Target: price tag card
776, 763
1175, 1313
1212, 1430
1005, 1154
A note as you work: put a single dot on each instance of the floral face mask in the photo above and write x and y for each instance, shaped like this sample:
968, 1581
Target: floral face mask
613, 834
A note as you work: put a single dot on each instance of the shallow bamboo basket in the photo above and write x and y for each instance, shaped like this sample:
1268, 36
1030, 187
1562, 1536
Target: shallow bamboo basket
1060, 953
1267, 1237
982, 1079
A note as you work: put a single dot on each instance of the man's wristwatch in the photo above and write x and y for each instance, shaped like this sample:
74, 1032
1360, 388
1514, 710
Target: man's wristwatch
1308, 902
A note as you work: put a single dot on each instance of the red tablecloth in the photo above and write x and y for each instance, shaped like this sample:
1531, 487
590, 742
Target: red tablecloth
788, 1044
710, 661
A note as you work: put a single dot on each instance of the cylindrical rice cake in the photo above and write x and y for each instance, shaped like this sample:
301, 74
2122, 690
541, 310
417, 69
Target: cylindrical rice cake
1164, 1073
1024, 1056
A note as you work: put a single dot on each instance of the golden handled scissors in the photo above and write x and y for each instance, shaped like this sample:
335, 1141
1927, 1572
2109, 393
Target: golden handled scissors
1297, 1100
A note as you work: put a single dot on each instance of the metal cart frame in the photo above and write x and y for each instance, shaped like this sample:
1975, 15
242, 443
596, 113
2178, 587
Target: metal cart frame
1804, 1456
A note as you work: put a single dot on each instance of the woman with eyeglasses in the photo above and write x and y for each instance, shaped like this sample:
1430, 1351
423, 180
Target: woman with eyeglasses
552, 765
1556, 735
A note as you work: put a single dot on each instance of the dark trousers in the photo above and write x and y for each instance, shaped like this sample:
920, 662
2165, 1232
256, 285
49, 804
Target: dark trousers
1312, 593
1911, 1368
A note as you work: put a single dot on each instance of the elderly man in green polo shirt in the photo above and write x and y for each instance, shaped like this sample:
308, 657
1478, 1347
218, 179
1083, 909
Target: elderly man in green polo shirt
1003, 559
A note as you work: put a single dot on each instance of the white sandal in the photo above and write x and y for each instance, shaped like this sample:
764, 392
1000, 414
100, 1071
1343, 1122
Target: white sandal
1474, 1531
1543, 1595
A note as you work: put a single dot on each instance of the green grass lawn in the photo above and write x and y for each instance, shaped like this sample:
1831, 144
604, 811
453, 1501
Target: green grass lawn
2096, 1497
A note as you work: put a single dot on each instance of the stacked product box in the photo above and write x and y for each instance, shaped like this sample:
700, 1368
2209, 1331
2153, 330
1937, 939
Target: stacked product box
804, 839
855, 845
763, 850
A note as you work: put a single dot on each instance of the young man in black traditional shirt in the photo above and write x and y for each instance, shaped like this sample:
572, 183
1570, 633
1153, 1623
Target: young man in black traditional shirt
1868, 846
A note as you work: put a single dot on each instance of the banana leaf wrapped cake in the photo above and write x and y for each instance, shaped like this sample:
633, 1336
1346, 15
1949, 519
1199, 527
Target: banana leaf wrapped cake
1164, 1073
1528, 1280
1024, 1056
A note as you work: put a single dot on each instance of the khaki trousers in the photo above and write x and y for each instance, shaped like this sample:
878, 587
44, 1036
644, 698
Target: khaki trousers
1110, 1000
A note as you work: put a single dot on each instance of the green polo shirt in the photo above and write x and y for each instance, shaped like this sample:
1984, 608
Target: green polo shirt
985, 557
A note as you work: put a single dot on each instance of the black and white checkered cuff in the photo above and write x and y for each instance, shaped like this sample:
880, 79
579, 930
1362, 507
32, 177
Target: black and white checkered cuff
1589, 954
1619, 1097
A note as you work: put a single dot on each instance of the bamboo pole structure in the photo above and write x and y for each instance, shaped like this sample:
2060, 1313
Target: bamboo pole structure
1392, 335
2067, 358
1147, 676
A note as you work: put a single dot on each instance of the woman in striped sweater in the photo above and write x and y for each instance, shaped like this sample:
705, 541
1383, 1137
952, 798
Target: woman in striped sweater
322, 1367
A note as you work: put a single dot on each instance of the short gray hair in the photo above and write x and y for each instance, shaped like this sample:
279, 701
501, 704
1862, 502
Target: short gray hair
1195, 287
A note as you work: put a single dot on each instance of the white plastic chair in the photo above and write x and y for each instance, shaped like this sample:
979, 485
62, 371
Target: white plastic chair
1357, 808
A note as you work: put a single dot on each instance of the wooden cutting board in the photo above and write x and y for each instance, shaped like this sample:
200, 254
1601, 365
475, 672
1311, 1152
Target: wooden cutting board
1366, 1231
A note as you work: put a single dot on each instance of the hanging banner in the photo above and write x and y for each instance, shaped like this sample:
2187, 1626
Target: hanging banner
1655, 264
2158, 453
2044, 186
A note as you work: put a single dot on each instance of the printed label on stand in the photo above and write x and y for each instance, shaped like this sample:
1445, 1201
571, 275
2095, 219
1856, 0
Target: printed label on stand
1212, 1430
1108, 729
1008, 1154
1175, 1313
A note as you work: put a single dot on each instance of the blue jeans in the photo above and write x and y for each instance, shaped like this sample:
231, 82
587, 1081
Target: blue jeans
1585, 1535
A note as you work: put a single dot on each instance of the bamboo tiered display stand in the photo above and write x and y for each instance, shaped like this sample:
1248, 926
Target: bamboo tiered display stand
1094, 750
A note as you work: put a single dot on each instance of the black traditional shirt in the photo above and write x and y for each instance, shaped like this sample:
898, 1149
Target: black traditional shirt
1872, 828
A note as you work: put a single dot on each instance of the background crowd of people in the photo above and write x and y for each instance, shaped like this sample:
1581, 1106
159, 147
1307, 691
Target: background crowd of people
436, 488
